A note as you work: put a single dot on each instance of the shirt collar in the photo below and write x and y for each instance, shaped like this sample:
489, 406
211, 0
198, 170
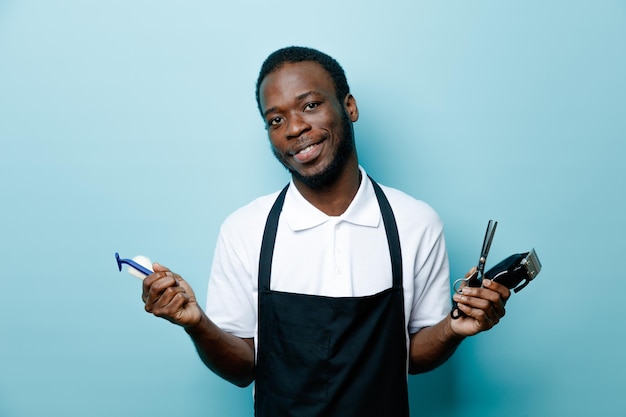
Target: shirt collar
363, 210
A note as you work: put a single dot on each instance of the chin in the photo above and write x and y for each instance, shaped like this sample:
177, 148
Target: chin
323, 177
327, 174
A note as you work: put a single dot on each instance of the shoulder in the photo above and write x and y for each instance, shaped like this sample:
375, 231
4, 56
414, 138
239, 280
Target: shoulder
250, 218
411, 211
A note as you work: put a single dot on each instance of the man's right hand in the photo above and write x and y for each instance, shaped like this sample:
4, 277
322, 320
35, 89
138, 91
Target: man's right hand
167, 295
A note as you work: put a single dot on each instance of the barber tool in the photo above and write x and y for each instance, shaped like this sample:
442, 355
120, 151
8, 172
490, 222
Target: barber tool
138, 266
515, 269
514, 272
476, 278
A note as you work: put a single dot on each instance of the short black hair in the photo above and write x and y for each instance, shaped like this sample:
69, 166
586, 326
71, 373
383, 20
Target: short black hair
293, 54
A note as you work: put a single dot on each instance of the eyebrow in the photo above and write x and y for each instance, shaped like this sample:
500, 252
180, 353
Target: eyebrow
298, 99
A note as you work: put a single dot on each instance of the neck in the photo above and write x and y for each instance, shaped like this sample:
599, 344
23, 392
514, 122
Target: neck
334, 199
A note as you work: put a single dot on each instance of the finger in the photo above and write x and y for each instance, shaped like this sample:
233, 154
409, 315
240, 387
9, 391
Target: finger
504, 291
159, 272
482, 309
496, 296
481, 319
157, 267
474, 320
183, 283
471, 272
469, 298
170, 303
155, 284
485, 292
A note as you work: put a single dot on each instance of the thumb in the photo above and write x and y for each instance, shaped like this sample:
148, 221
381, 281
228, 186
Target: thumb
157, 267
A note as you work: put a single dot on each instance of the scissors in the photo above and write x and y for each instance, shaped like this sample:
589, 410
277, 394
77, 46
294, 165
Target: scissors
476, 278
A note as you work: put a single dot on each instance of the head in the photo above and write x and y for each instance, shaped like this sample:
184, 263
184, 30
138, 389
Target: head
292, 54
304, 98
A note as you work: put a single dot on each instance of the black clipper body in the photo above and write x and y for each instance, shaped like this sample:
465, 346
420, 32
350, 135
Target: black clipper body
516, 271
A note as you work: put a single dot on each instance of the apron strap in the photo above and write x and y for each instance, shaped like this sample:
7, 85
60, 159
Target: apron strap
393, 237
269, 238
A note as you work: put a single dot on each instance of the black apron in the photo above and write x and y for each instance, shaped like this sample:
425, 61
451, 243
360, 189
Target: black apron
331, 356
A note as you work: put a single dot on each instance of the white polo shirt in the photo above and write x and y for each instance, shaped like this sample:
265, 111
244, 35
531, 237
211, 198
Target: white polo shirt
336, 256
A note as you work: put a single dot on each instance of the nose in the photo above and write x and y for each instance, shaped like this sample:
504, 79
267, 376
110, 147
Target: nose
296, 126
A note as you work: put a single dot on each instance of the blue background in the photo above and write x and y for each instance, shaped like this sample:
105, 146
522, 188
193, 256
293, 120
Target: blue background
132, 127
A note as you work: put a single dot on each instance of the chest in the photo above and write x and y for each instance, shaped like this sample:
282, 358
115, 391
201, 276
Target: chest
336, 259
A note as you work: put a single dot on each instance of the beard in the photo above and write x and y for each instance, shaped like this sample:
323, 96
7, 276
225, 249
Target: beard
333, 170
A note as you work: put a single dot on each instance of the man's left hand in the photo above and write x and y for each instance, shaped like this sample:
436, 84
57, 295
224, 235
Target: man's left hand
483, 307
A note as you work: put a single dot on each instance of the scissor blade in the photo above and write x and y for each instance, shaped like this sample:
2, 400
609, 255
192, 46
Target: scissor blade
489, 233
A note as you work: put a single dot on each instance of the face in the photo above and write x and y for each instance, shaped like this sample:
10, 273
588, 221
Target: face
310, 129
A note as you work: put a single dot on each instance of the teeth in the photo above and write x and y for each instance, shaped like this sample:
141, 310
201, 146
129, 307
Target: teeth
307, 149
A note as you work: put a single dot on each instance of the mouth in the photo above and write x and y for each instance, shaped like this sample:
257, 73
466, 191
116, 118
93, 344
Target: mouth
306, 150
308, 153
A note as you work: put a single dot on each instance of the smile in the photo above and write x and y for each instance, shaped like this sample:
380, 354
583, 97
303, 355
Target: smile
307, 154
307, 149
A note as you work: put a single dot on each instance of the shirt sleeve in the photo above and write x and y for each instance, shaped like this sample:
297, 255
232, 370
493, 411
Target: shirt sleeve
231, 301
431, 301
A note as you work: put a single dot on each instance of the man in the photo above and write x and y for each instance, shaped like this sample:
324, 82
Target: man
326, 293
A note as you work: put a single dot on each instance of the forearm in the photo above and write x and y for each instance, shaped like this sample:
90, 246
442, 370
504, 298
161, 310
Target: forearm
432, 346
229, 356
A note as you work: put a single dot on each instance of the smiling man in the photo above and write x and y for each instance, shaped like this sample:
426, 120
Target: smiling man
309, 127
328, 292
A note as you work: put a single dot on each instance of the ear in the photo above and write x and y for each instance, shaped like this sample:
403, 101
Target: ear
352, 110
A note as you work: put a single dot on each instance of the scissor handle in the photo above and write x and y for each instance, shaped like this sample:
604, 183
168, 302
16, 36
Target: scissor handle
457, 285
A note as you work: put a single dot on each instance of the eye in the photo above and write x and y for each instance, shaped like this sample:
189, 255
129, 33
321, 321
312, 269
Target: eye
311, 106
275, 121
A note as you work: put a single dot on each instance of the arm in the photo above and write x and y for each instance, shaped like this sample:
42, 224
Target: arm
432, 346
169, 296
483, 308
